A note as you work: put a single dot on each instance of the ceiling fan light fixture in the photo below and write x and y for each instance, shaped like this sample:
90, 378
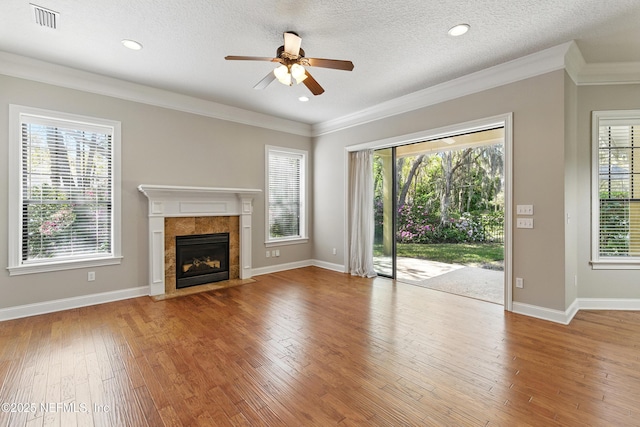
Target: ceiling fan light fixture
298, 72
286, 80
282, 74
458, 30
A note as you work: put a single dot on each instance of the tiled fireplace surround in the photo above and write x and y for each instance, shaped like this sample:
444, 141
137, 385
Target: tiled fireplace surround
181, 211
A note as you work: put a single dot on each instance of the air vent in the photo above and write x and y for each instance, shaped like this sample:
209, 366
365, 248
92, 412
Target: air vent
45, 17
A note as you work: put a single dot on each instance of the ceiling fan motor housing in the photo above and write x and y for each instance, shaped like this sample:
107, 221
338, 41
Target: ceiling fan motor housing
281, 50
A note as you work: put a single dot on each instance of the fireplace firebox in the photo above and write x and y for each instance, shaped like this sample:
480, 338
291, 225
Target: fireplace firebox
201, 258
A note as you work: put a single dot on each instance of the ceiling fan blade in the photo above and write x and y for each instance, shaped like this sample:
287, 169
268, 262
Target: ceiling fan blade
251, 58
266, 81
331, 63
292, 43
312, 84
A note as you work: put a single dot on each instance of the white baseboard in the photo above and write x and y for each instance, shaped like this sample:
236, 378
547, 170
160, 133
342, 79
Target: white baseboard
609, 303
329, 266
298, 264
69, 303
280, 267
544, 313
566, 316
101, 298
571, 311
557, 316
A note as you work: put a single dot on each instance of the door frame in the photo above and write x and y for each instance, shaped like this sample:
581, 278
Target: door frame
502, 120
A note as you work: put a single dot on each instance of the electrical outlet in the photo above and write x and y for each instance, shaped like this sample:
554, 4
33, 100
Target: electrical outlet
335, 251
277, 252
519, 282
268, 254
91, 276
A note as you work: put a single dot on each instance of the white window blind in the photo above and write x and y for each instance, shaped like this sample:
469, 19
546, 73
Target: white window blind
618, 192
66, 191
285, 193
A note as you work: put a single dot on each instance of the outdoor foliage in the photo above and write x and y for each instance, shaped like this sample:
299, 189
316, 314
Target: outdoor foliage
446, 197
58, 225
47, 223
483, 254
67, 192
285, 223
614, 227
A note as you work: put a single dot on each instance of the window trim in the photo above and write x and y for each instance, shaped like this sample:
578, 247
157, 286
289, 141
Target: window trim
303, 237
598, 262
15, 263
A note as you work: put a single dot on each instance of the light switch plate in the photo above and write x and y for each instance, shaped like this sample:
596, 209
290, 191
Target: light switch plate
524, 209
524, 223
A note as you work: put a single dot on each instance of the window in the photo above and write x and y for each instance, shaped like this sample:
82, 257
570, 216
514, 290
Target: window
616, 189
63, 191
285, 195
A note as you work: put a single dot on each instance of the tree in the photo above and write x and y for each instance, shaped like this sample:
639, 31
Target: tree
451, 162
410, 177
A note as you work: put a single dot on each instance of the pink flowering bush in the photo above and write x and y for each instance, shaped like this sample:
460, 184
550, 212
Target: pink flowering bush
47, 220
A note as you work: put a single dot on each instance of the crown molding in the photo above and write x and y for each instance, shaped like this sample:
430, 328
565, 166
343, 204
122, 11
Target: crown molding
574, 62
601, 73
565, 56
44, 72
611, 73
546, 61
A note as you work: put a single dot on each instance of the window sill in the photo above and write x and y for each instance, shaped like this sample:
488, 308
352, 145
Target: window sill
284, 242
633, 264
62, 265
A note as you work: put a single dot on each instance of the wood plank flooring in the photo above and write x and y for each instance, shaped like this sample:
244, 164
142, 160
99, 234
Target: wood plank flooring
311, 347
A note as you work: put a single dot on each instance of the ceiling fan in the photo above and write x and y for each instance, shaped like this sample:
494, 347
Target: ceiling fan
292, 60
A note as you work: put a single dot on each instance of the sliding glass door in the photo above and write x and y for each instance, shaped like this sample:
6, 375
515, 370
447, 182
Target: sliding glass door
439, 213
384, 210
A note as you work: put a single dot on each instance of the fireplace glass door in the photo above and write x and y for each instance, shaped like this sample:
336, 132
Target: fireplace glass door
202, 258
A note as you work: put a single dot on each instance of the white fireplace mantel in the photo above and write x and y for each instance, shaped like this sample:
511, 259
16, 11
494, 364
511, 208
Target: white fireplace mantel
176, 201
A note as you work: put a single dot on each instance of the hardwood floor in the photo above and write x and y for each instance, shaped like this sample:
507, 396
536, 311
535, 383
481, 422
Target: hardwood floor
311, 347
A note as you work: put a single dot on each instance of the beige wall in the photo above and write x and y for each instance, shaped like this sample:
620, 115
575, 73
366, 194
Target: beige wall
551, 150
599, 283
159, 146
538, 164
571, 191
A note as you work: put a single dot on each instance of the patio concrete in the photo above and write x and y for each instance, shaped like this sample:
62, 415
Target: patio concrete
468, 281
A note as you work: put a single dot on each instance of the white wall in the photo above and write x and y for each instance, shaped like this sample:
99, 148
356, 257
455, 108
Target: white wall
159, 146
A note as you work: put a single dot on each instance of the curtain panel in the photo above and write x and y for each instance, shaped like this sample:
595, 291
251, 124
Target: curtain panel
361, 214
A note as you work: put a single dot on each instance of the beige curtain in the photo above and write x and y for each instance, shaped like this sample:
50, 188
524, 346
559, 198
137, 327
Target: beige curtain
361, 214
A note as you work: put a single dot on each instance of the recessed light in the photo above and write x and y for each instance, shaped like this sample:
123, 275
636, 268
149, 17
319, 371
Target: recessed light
303, 99
131, 44
459, 30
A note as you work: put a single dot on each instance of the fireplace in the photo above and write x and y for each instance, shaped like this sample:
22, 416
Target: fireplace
201, 258
180, 211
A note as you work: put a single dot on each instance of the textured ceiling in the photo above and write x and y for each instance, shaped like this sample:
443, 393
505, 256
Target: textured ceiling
397, 47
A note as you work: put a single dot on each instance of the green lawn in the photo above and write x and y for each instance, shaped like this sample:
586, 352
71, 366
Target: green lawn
451, 253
